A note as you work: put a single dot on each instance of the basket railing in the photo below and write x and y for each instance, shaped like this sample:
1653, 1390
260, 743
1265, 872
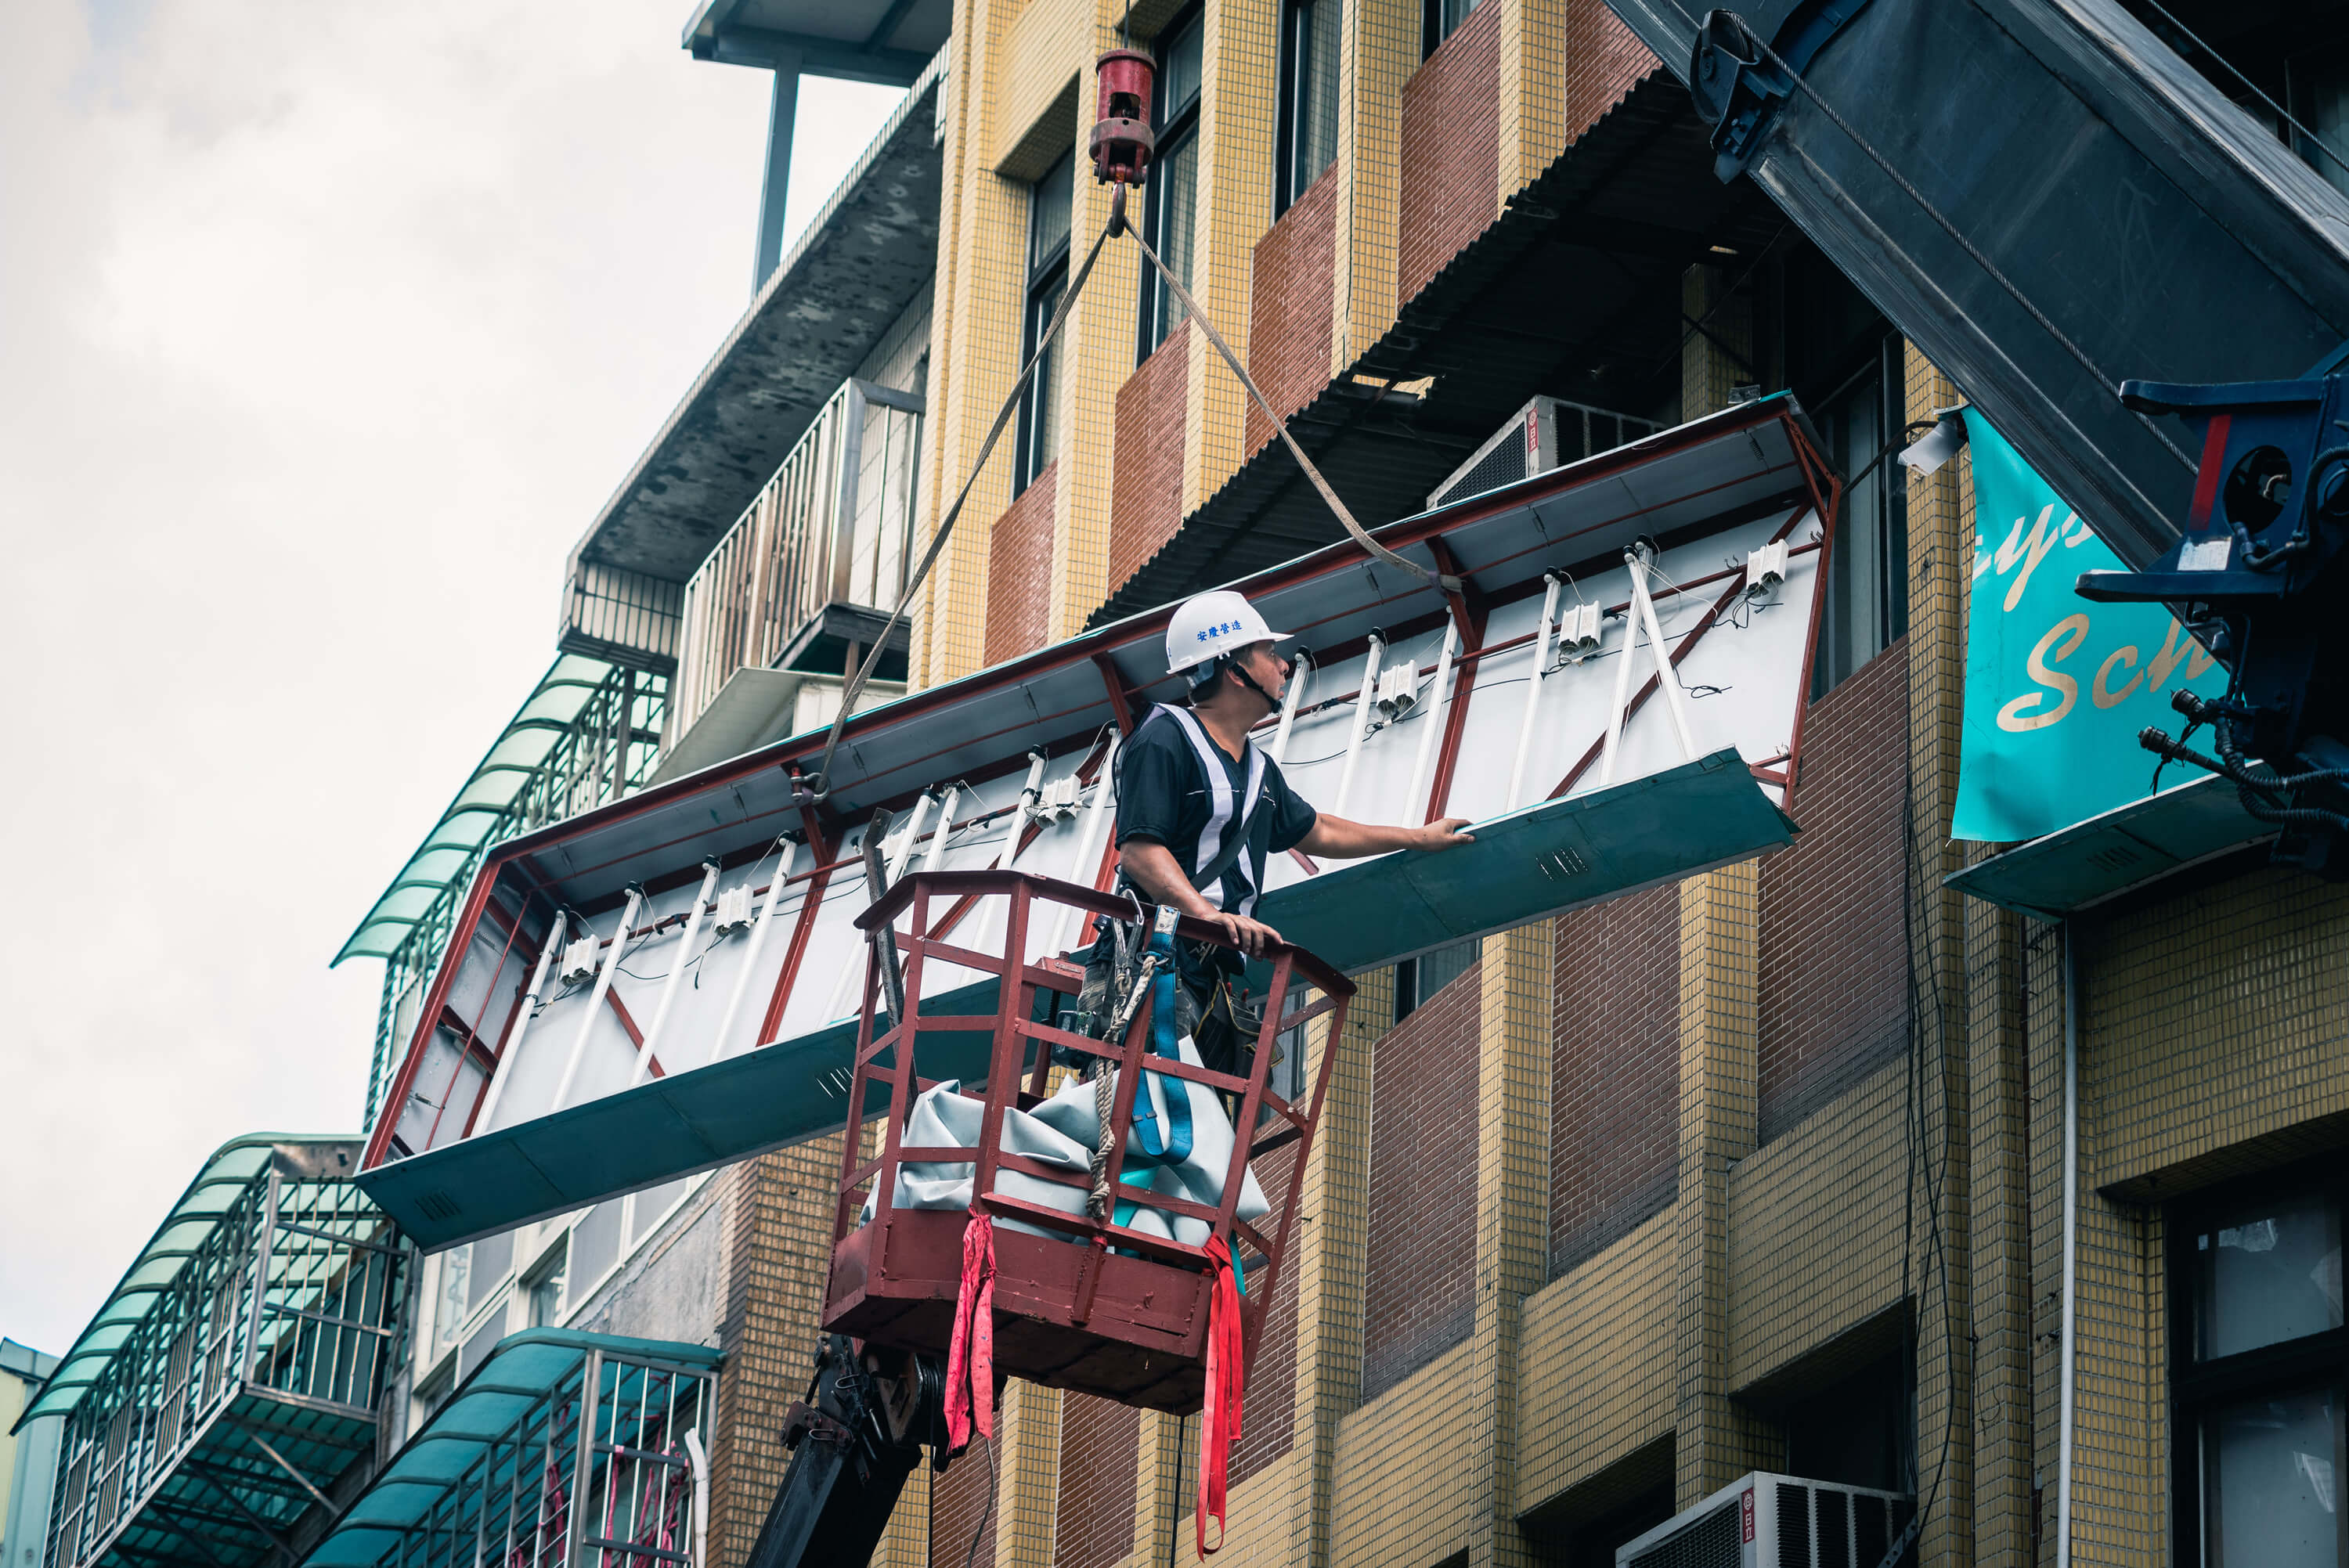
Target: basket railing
1020, 1064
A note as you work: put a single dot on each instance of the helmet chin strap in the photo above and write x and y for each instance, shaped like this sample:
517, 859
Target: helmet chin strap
1225, 661
1249, 681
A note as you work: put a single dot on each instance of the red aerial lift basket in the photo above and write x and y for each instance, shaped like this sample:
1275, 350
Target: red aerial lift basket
1110, 1311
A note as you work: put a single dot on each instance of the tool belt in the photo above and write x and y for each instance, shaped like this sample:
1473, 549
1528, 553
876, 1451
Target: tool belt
1220, 1018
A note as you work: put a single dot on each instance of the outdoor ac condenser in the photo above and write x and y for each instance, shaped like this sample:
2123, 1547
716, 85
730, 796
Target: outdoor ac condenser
1540, 436
1764, 1521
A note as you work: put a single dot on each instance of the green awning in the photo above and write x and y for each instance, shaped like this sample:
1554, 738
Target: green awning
468, 1444
210, 1196
464, 830
2115, 852
1534, 862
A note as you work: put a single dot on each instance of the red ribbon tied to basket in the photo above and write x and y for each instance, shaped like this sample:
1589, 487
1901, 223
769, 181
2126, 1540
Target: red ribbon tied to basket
1220, 1427
970, 1356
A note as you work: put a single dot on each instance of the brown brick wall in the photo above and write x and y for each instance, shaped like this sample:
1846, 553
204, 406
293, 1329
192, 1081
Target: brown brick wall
1268, 1422
1020, 573
1451, 149
1101, 1443
777, 1244
1146, 489
1419, 1289
1603, 62
1614, 1131
959, 1502
1289, 299
1834, 964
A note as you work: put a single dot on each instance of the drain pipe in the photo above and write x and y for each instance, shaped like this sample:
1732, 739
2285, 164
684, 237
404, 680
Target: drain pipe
693, 1451
2069, 1337
1363, 701
1300, 675
718, 1042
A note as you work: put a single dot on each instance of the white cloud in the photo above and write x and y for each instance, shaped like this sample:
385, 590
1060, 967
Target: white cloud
326, 330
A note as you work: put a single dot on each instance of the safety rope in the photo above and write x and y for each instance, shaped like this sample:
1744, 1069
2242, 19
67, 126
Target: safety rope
819, 783
1338, 507
1104, 1115
1104, 1081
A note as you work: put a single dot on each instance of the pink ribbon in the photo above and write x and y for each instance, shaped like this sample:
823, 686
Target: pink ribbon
970, 1355
1220, 1427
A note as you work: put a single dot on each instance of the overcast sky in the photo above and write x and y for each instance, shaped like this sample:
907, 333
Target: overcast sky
325, 329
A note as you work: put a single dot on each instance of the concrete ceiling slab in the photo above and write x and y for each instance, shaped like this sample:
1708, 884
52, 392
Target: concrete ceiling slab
860, 263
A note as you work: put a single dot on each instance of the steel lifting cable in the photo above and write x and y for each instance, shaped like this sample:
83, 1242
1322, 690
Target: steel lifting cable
819, 784
1443, 581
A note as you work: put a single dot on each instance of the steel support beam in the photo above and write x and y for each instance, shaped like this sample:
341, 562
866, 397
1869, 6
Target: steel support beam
763, 47
782, 115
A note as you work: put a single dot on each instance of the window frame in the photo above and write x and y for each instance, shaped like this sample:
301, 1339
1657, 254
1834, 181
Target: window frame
1038, 299
1432, 30
1173, 132
1408, 996
2197, 1388
1888, 483
1294, 65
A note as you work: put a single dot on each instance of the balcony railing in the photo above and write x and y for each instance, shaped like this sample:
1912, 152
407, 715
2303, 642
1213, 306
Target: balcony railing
562, 1449
264, 1321
817, 561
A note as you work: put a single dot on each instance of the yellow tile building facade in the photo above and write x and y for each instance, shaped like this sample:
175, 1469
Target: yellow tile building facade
1900, 1217
1763, 1171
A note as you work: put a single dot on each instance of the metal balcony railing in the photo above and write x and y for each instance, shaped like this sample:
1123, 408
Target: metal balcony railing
562, 1449
233, 1380
817, 561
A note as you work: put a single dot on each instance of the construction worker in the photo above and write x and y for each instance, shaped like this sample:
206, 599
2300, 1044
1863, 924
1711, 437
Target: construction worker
1200, 809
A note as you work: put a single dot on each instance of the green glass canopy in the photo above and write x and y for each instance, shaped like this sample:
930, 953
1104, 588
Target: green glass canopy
216, 1190
464, 826
499, 1462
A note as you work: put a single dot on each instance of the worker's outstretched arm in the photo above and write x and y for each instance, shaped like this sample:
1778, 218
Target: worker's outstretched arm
1338, 839
1152, 867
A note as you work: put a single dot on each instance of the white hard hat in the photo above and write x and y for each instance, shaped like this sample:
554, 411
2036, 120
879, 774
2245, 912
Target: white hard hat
1214, 624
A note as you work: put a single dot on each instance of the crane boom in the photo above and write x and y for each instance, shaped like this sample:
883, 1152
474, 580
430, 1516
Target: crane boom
2046, 200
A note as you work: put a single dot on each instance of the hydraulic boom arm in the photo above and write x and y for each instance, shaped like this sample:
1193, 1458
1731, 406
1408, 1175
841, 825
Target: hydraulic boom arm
2046, 200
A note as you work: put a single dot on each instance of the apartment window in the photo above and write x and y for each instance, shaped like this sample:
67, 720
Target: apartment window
1047, 279
1868, 567
1417, 980
1307, 138
546, 1285
1170, 208
1439, 20
449, 1302
2259, 1371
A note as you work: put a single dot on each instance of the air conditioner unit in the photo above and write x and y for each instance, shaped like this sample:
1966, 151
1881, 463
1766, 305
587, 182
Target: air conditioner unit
1764, 1521
1540, 436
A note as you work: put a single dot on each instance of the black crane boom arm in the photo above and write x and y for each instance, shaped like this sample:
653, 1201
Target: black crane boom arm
2046, 200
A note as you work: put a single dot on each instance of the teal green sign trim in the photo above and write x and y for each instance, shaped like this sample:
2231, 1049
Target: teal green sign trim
2116, 851
2057, 688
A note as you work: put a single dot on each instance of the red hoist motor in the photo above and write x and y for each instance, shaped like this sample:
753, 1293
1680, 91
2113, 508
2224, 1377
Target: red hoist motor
1122, 143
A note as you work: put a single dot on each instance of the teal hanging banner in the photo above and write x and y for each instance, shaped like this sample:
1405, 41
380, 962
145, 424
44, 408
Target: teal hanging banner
2057, 688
